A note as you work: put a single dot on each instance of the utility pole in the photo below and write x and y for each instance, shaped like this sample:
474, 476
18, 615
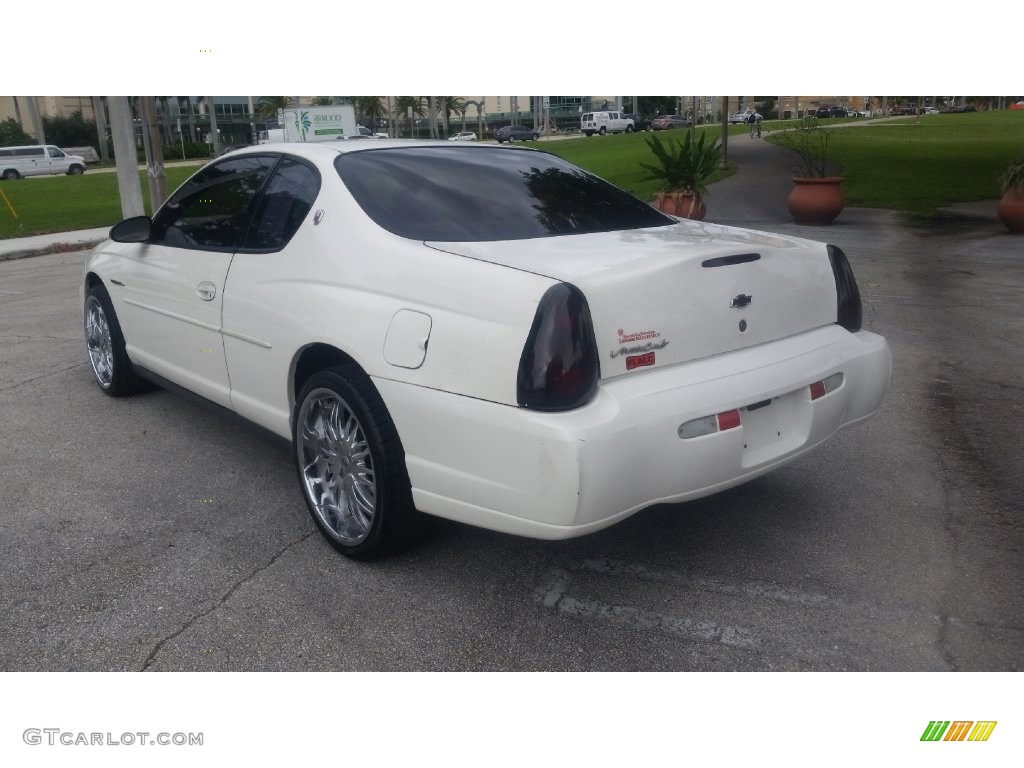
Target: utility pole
101, 127
214, 133
123, 132
154, 153
33, 115
725, 134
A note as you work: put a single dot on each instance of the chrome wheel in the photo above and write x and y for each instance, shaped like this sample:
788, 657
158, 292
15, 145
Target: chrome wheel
336, 466
98, 342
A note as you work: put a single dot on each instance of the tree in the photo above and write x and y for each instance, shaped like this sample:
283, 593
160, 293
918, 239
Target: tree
11, 133
370, 108
404, 103
450, 105
267, 107
323, 101
72, 131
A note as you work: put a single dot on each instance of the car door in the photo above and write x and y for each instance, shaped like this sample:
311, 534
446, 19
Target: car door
173, 284
58, 160
38, 162
262, 317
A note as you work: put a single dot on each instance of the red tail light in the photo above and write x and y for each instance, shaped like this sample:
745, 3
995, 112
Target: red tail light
559, 369
847, 293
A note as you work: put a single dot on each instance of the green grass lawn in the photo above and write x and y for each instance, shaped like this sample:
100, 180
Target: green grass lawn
918, 166
65, 203
617, 157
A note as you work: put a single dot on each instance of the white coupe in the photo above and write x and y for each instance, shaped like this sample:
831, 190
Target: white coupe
487, 334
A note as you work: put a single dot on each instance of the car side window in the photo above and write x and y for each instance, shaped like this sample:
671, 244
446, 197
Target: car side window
289, 195
212, 209
54, 152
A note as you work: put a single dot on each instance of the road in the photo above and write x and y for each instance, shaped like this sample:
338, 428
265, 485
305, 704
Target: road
154, 533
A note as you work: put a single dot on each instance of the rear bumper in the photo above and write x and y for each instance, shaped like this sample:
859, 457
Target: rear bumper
555, 476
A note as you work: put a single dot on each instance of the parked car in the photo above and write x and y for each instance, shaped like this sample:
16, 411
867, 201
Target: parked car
740, 117
830, 110
965, 108
366, 133
38, 160
667, 122
530, 349
513, 133
640, 123
463, 136
603, 122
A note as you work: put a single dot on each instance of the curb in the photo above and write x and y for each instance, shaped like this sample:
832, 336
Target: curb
48, 249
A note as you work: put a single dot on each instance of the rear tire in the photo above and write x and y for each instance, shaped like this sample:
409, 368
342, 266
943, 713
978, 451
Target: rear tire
10, 174
603, 131
351, 465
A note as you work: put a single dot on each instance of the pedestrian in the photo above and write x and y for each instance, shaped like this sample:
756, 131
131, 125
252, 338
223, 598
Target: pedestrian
757, 122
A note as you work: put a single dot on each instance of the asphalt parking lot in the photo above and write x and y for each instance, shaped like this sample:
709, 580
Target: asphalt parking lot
154, 533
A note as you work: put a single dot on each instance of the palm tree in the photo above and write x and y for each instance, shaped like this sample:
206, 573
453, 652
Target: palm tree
432, 116
370, 108
404, 103
269, 105
451, 105
323, 101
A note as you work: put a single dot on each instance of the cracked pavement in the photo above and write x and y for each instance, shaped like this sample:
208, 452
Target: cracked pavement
154, 533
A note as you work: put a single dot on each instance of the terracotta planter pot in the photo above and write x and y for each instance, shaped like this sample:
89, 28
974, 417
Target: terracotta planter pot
680, 203
1011, 212
689, 206
665, 203
816, 201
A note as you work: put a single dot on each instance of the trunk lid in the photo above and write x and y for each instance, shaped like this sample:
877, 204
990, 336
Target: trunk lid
667, 295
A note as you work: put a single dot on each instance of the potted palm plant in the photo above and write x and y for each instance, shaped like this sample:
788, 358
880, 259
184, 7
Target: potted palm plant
685, 168
817, 197
1011, 206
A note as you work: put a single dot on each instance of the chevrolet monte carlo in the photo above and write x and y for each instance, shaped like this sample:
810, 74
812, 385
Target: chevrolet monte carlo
486, 334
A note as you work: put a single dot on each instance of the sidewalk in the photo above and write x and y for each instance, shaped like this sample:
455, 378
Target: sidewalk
57, 242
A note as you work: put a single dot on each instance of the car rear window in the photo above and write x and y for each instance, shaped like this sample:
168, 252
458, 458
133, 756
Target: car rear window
468, 194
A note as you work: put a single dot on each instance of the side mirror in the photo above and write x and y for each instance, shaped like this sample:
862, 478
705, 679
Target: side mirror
133, 230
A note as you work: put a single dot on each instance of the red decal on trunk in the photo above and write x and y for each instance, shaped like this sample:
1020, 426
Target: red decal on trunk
635, 361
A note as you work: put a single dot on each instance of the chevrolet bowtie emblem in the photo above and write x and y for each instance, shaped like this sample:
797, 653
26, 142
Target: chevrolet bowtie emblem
741, 301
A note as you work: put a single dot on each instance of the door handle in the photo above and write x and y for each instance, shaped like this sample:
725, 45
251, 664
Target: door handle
207, 291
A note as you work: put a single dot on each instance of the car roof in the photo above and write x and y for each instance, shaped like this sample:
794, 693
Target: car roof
322, 150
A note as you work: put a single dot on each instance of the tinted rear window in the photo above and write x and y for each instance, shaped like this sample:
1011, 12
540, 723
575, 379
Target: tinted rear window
465, 194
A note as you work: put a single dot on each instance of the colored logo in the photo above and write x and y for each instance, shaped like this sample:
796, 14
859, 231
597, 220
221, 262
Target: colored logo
303, 123
958, 730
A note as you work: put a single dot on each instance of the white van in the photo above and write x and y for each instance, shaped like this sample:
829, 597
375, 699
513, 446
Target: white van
605, 122
38, 160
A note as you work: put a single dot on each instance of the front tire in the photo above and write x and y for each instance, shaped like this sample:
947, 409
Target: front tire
104, 344
603, 130
76, 170
351, 464
629, 129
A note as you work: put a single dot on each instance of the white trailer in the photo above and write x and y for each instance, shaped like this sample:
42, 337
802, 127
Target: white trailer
318, 123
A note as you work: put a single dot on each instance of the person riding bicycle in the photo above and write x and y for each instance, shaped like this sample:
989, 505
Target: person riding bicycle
754, 119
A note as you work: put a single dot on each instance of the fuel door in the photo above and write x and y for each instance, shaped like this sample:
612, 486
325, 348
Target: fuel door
406, 342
